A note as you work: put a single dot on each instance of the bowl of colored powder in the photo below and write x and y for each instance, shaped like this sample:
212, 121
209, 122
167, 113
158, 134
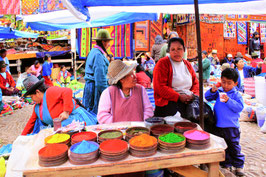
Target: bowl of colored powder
135, 131
153, 121
113, 147
58, 139
197, 136
143, 141
181, 127
157, 130
53, 151
171, 139
85, 147
87, 136
110, 134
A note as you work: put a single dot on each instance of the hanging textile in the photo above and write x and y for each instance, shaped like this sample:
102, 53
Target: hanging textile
253, 28
50, 5
142, 36
263, 34
30, 7
155, 29
10, 7
84, 42
212, 18
242, 33
229, 29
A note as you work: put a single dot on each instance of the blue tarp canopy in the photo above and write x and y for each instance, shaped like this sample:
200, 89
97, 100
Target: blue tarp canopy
9, 33
80, 7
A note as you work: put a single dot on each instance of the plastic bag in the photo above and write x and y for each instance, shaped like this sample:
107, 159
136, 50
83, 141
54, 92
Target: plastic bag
20, 80
2, 167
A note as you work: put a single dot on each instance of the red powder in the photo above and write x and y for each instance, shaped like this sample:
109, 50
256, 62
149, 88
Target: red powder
114, 145
83, 136
162, 129
53, 150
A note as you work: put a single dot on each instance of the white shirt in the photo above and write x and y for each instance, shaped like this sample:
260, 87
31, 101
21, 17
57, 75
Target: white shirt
241, 73
182, 79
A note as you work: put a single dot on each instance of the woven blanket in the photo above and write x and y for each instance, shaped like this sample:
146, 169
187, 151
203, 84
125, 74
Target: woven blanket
242, 33
9, 7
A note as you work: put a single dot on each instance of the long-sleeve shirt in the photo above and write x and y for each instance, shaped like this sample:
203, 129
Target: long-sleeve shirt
47, 68
59, 99
105, 112
8, 80
226, 114
206, 67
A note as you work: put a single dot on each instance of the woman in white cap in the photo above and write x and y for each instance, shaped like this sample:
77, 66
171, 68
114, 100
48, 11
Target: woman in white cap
96, 71
214, 58
124, 100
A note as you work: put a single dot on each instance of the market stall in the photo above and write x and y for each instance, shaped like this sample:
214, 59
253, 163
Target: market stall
30, 145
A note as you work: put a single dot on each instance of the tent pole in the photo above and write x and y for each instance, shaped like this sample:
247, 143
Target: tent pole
201, 118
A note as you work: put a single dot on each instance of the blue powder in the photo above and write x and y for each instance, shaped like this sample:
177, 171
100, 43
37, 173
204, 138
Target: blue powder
85, 147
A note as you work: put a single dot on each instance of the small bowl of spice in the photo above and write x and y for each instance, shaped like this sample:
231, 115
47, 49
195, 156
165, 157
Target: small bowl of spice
181, 127
157, 130
110, 134
135, 131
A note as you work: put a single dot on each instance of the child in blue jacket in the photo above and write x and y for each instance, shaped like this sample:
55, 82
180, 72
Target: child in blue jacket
227, 109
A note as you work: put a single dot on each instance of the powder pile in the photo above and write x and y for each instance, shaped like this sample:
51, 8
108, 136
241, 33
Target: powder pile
143, 140
58, 138
84, 147
171, 138
197, 135
110, 135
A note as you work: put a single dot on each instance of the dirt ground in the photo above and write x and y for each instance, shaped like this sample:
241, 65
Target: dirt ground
253, 142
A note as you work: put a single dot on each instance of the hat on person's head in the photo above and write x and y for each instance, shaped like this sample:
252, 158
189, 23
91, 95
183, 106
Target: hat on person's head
31, 83
254, 54
214, 51
229, 55
103, 35
118, 70
239, 55
204, 52
2, 64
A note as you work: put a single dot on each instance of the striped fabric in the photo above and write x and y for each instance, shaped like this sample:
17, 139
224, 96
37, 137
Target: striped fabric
9, 7
150, 93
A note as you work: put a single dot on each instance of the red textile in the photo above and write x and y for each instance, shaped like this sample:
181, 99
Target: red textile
162, 82
255, 62
10, 7
143, 79
58, 99
47, 81
9, 79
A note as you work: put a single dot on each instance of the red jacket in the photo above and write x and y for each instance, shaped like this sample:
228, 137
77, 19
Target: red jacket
143, 79
58, 99
162, 82
9, 79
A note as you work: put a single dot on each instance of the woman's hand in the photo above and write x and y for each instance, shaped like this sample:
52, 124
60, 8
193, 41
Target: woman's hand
185, 98
64, 115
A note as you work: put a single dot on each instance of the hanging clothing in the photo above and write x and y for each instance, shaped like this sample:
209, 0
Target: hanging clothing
96, 78
55, 101
115, 107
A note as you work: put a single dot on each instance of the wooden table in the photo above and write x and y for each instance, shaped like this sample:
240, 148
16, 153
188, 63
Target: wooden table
186, 158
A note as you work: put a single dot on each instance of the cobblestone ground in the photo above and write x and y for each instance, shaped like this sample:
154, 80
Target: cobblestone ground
253, 142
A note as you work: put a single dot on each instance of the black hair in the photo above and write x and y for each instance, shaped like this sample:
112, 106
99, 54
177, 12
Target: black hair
118, 84
230, 73
46, 57
176, 39
254, 34
139, 68
237, 60
2, 51
100, 43
36, 62
62, 66
42, 88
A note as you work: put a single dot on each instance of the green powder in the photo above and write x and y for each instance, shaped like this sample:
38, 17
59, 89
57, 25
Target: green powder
110, 135
171, 138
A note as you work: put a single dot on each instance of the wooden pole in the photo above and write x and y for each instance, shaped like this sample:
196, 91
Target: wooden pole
196, 6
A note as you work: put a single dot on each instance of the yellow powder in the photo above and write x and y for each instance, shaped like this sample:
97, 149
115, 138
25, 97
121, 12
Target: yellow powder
57, 138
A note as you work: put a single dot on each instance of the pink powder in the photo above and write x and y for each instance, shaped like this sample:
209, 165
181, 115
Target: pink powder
196, 135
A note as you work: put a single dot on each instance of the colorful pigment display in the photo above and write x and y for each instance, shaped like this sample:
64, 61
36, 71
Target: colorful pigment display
171, 138
84, 147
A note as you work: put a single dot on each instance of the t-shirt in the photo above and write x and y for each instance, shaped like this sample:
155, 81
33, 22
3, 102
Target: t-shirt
182, 79
241, 73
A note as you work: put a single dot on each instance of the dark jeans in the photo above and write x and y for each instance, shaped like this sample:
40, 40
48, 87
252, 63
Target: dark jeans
233, 155
170, 109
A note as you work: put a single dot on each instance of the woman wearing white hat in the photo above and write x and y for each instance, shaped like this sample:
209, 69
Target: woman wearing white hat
96, 71
124, 100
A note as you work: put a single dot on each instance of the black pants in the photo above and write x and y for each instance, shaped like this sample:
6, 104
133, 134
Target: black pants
171, 109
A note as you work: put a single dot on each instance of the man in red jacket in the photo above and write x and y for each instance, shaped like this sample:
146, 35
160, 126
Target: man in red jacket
51, 103
7, 83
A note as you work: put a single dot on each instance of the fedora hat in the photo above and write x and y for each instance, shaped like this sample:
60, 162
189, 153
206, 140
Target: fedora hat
118, 70
2, 64
31, 83
103, 35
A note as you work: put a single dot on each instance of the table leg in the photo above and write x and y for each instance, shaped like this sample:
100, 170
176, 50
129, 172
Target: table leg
213, 169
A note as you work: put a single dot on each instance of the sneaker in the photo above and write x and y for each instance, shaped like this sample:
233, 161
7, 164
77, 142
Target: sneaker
239, 172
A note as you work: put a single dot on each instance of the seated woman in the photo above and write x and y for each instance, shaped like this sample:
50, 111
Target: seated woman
245, 71
142, 77
174, 81
7, 83
35, 69
51, 103
63, 76
124, 97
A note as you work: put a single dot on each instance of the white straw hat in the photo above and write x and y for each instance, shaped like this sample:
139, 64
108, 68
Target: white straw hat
229, 55
118, 70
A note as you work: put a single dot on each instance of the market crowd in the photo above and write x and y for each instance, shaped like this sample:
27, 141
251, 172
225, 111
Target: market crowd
116, 89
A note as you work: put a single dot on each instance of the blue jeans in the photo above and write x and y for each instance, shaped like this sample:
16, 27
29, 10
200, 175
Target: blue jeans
91, 97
